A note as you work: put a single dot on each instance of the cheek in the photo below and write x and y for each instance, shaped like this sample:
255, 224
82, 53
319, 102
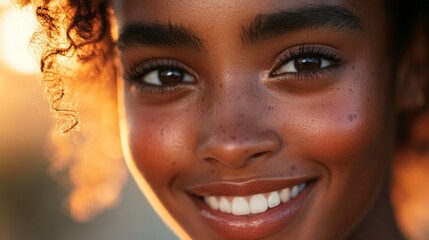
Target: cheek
347, 133
345, 126
341, 130
157, 143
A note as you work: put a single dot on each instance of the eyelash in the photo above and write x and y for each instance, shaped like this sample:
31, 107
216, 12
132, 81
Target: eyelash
304, 51
140, 70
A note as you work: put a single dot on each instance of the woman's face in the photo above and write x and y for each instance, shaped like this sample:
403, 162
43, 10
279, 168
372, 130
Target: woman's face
256, 119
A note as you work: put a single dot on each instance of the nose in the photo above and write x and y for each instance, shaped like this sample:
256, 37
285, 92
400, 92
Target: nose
237, 147
236, 130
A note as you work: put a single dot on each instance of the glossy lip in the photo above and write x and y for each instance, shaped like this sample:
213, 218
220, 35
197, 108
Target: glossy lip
250, 226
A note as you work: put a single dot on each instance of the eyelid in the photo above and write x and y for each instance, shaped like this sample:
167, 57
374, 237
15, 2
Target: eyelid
289, 67
153, 74
322, 51
139, 70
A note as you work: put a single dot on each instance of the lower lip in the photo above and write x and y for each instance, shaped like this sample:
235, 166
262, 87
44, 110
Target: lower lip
253, 226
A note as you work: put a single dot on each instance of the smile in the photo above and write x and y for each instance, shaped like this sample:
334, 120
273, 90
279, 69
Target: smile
253, 204
262, 207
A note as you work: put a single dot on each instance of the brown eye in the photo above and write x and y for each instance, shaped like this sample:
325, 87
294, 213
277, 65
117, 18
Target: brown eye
170, 76
167, 76
304, 64
308, 64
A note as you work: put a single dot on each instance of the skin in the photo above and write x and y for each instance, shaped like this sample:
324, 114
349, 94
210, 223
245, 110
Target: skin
236, 122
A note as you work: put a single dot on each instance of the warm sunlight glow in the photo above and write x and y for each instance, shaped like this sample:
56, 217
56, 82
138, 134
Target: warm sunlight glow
91, 152
16, 28
410, 193
4, 3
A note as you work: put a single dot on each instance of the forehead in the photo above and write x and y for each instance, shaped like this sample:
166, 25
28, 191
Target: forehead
213, 25
226, 12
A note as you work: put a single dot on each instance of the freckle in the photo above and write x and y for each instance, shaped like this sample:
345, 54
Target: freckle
174, 163
353, 67
293, 168
246, 138
234, 138
367, 99
219, 103
350, 90
220, 84
352, 117
212, 171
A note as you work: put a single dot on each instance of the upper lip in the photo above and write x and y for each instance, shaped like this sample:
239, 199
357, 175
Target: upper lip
246, 187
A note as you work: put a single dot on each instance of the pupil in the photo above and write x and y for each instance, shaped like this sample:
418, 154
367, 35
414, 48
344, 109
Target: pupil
308, 64
170, 76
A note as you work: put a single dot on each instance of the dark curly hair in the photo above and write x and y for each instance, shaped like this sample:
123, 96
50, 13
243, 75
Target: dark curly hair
76, 42
78, 30
78, 65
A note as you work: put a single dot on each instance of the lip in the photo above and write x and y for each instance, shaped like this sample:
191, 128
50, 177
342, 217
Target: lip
250, 226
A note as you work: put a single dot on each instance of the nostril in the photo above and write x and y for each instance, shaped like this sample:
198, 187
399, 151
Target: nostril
259, 154
235, 150
210, 159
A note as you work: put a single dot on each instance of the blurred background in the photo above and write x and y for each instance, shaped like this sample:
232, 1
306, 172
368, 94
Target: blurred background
33, 203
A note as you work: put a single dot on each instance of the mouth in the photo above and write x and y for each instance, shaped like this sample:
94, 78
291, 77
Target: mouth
253, 204
254, 209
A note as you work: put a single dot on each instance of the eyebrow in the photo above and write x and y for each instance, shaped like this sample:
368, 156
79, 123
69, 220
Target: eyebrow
156, 34
266, 26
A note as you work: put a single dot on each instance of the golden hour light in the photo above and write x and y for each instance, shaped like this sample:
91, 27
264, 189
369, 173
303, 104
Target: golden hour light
16, 29
4, 3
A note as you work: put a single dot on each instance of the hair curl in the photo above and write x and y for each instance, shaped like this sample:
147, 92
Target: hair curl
78, 68
80, 31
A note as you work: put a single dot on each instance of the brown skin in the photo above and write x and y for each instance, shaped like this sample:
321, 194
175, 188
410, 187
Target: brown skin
236, 122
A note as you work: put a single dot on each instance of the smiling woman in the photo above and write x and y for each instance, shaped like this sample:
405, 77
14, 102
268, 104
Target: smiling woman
250, 119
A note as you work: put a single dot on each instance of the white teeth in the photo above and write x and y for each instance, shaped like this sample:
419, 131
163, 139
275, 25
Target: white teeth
212, 202
294, 191
285, 195
273, 199
224, 205
240, 206
258, 204
253, 204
